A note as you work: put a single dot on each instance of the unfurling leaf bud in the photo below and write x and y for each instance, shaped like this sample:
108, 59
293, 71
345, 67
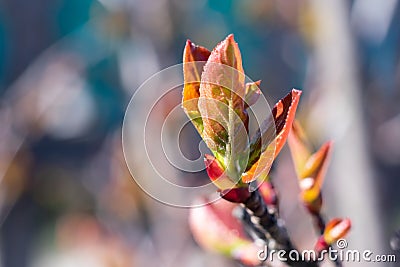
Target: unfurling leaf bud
334, 230
310, 168
312, 178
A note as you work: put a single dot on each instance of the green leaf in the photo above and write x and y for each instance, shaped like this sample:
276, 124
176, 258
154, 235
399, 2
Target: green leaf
221, 105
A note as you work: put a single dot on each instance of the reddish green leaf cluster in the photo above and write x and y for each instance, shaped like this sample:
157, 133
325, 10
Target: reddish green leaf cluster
216, 99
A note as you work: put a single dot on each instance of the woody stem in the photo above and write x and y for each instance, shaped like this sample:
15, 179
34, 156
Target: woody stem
268, 223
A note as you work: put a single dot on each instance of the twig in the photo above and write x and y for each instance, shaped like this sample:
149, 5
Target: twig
267, 222
241, 214
319, 222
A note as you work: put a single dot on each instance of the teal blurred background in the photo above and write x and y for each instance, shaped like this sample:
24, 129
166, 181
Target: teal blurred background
69, 67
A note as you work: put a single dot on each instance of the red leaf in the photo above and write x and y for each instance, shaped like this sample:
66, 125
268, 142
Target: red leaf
284, 112
217, 174
271, 137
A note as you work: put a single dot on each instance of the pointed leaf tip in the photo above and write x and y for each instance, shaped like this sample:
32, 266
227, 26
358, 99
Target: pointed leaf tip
227, 52
284, 112
336, 229
253, 92
193, 52
299, 147
194, 58
315, 169
222, 91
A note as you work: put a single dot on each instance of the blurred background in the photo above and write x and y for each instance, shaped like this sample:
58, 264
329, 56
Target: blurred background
69, 67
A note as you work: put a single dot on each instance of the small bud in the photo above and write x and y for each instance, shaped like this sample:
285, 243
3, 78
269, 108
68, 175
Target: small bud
310, 168
320, 245
336, 229
313, 177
